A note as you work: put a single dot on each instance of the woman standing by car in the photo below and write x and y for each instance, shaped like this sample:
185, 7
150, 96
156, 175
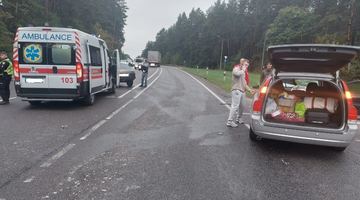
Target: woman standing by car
267, 71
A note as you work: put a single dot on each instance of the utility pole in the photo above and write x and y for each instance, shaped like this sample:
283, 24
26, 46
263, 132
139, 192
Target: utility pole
350, 24
263, 52
222, 50
47, 11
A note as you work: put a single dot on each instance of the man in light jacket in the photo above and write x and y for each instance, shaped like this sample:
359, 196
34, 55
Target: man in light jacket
238, 94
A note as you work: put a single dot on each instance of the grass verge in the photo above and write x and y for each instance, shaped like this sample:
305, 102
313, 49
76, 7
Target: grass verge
355, 89
217, 77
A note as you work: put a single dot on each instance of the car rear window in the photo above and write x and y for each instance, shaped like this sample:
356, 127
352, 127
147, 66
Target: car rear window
47, 54
139, 60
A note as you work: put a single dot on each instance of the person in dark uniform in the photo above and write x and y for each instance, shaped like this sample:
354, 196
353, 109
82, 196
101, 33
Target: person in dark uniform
144, 69
6, 73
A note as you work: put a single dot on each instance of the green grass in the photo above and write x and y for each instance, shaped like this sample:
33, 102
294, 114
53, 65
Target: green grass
355, 89
217, 77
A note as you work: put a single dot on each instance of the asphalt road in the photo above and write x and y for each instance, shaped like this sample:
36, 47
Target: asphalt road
168, 141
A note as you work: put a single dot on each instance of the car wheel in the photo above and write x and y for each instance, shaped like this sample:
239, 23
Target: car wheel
130, 83
35, 103
253, 136
89, 100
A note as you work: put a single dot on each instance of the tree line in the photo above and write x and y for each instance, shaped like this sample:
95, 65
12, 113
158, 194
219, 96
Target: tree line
242, 28
101, 17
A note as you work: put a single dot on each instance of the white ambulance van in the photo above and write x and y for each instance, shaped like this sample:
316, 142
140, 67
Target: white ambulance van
60, 64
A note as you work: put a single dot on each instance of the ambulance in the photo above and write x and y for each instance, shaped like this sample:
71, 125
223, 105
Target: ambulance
60, 64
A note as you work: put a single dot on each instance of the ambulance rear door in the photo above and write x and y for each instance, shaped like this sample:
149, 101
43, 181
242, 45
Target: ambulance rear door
32, 66
62, 66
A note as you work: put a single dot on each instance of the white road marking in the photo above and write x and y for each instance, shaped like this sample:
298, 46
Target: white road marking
55, 157
102, 122
148, 85
29, 180
126, 93
213, 93
357, 140
93, 129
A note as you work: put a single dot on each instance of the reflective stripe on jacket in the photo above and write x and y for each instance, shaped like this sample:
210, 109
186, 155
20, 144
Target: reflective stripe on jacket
10, 69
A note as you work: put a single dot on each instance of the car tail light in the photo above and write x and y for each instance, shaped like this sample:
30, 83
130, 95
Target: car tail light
259, 101
352, 111
79, 72
16, 70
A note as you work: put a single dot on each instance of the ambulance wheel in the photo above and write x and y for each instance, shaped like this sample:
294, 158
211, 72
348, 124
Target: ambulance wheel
130, 83
89, 100
35, 103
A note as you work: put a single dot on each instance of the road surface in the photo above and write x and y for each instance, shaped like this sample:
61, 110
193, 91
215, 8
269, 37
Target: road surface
168, 141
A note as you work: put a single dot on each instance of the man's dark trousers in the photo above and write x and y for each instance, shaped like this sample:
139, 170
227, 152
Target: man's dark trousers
5, 88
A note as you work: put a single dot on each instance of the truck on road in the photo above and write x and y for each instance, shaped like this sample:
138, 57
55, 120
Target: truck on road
154, 58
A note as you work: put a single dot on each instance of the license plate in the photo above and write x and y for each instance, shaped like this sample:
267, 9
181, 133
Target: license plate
34, 80
124, 75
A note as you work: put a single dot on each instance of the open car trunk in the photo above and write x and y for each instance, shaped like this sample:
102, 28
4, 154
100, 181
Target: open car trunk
310, 103
311, 58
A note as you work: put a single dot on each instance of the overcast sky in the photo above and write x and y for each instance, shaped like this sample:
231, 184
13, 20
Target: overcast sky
147, 17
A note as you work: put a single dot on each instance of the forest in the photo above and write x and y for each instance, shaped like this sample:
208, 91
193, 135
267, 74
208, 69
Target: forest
245, 28
106, 18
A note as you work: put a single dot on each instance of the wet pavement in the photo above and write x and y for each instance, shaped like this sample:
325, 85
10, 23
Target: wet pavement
168, 141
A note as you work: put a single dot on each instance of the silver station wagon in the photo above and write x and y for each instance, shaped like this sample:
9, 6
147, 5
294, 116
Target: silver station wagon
305, 101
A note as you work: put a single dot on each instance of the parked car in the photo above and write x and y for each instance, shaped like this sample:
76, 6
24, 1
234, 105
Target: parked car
125, 72
321, 114
139, 62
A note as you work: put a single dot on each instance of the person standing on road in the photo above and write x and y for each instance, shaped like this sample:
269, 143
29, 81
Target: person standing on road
6, 73
238, 93
144, 70
247, 77
267, 71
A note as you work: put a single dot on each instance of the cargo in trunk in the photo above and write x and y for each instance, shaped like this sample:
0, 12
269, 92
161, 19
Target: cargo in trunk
300, 102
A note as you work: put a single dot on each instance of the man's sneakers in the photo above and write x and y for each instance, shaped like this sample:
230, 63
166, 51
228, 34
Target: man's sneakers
4, 102
231, 124
240, 121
